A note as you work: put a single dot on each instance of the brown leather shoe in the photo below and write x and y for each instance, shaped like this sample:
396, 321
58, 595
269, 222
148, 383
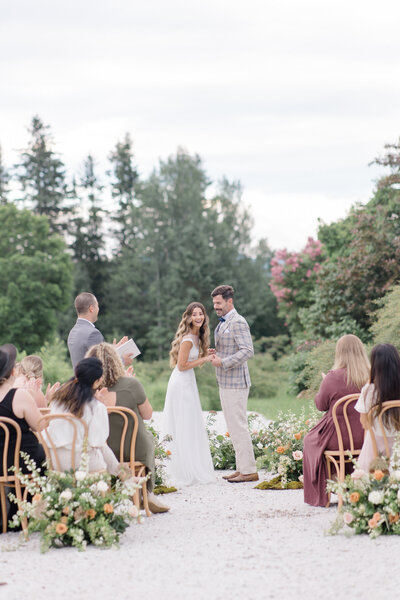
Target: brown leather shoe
231, 476
155, 505
243, 478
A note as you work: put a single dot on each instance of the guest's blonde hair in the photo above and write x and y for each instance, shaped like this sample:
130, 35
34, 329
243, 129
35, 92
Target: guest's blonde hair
184, 328
350, 355
31, 366
112, 365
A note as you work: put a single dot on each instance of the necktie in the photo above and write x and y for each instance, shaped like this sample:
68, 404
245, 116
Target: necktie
222, 319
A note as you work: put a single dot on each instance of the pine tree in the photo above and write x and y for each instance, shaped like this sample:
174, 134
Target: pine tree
42, 177
124, 181
4, 181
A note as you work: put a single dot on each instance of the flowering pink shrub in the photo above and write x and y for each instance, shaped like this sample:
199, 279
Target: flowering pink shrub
293, 276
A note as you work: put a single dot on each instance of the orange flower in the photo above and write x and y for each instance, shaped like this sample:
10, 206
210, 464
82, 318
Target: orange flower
91, 513
280, 449
61, 528
307, 422
228, 434
169, 452
378, 475
371, 523
376, 517
297, 436
37, 497
354, 497
66, 510
108, 509
393, 518
64, 519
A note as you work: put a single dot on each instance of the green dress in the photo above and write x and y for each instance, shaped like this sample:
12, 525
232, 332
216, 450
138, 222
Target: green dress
130, 393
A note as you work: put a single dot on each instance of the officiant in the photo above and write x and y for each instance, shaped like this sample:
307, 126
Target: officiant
84, 333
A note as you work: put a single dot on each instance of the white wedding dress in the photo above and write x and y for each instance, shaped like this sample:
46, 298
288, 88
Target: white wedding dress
190, 460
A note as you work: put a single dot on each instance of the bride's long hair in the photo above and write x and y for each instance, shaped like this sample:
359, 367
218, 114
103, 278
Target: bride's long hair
185, 327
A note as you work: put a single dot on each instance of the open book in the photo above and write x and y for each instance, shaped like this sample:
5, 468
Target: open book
128, 348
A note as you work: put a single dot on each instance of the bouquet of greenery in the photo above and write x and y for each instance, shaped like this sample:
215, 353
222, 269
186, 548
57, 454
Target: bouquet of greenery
75, 508
371, 501
283, 447
221, 447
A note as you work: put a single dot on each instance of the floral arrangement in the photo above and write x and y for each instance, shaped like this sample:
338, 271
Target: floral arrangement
161, 455
283, 448
371, 501
75, 508
221, 447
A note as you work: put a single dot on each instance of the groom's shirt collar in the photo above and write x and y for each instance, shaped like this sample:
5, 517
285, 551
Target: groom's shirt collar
229, 314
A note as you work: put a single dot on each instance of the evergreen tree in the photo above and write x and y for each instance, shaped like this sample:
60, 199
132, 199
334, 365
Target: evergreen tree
4, 181
124, 182
42, 177
89, 242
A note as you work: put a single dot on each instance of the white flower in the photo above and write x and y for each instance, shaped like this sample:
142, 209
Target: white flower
66, 494
133, 511
297, 455
398, 496
357, 474
80, 475
260, 446
396, 475
102, 486
348, 518
301, 478
375, 497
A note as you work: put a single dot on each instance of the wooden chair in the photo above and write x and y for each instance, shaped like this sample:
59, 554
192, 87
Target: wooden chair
48, 443
339, 458
377, 420
137, 468
45, 411
10, 479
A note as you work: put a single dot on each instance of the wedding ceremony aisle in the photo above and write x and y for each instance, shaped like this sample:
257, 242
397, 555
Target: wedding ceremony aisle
218, 541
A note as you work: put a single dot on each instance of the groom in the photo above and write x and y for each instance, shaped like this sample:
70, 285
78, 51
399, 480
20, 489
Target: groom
234, 346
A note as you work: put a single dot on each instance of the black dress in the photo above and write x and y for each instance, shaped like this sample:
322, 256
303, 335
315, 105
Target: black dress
29, 442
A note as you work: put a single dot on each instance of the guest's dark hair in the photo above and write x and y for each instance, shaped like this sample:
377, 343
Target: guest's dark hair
385, 375
83, 302
226, 291
78, 391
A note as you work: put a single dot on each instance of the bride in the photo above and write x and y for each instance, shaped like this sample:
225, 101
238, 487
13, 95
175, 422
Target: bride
191, 460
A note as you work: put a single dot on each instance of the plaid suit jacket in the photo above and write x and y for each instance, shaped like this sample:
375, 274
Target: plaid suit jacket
234, 346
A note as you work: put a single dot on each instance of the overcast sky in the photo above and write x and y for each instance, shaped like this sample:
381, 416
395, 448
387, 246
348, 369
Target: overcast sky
293, 98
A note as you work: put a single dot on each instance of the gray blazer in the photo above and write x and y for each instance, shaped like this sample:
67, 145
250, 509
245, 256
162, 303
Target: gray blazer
82, 336
234, 346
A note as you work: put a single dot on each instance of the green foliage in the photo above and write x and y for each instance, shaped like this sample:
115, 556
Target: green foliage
386, 328
35, 278
56, 362
42, 177
221, 447
296, 364
283, 441
276, 346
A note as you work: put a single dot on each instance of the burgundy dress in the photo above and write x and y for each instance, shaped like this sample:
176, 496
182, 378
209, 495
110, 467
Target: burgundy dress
323, 435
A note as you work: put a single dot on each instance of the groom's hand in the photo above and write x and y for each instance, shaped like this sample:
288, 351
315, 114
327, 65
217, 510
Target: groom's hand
216, 361
212, 351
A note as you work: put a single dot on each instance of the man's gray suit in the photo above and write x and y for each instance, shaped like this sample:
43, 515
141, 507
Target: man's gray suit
82, 336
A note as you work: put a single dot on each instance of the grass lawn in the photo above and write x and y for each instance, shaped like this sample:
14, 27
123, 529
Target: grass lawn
268, 394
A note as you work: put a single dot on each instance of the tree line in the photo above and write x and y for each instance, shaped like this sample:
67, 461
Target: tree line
146, 247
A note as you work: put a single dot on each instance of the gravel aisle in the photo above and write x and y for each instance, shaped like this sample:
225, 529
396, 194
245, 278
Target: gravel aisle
218, 541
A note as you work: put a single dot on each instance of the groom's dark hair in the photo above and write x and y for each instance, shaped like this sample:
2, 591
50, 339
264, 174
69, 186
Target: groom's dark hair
226, 291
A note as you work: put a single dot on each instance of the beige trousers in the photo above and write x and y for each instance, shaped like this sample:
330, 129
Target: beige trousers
234, 406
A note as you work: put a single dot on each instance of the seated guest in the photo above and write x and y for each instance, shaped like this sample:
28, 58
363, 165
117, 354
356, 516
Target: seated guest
348, 375
30, 378
128, 392
77, 397
18, 405
384, 385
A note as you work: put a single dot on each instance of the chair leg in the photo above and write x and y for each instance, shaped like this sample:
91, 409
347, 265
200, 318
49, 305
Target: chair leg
145, 500
3, 508
328, 466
